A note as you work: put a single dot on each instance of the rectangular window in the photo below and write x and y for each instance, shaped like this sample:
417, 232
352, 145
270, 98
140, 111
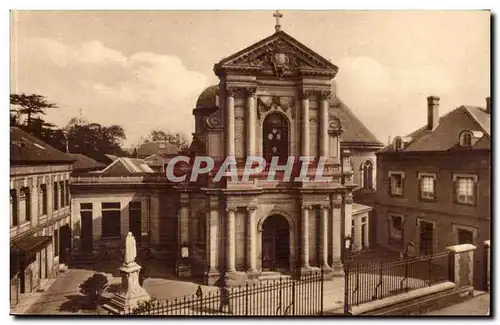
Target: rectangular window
134, 221
465, 237
55, 197
86, 206
25, 193
353, 230
396, 231
464, 187
15, 208
426, 238
396, 183
66, 192
43, 190
111, 221
427, 187
63, 197
56, 242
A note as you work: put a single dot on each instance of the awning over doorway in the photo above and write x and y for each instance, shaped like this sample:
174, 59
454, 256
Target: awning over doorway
29, 243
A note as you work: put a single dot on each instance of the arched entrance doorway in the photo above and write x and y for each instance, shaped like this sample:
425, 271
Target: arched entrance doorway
275, 244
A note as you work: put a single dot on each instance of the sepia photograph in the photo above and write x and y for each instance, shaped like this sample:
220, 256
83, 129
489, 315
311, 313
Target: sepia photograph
259, 163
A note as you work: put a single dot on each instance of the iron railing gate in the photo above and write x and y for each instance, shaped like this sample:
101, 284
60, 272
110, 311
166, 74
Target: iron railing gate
286, 296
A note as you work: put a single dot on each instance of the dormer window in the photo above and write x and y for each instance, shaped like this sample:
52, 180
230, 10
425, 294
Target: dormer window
398, 144
466, 139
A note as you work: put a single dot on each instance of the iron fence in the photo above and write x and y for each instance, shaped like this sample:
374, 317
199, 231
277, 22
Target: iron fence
282, 297
367, 281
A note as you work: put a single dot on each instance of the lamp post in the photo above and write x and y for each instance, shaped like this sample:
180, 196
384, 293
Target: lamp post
347, 250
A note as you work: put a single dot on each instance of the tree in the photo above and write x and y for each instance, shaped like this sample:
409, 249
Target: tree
176, 138
31, 105
95, 140
93, 287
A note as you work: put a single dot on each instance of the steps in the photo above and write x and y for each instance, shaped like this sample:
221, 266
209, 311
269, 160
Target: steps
270, 276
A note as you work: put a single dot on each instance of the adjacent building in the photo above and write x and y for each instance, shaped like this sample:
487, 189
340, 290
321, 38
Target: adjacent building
39, 212
433, 185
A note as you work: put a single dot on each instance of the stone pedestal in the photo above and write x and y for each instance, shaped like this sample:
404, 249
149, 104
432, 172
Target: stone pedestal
337, 268
183, 268
131, 292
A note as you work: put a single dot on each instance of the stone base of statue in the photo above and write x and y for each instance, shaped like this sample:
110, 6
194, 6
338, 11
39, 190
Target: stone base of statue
131, 292
183, 268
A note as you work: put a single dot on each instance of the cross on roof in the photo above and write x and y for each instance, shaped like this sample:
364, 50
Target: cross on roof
277, 15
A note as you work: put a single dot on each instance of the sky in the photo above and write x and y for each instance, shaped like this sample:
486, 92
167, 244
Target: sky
145, 69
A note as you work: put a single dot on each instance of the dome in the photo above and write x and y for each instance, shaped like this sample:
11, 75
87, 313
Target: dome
208, 97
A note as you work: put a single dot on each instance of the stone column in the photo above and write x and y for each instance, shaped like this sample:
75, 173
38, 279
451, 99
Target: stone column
251, 121
305, 236
337, 235
252, 239
357, 235
324, 237
231, 240
184, 221
304, 124
213, 230
229, 123
323, 124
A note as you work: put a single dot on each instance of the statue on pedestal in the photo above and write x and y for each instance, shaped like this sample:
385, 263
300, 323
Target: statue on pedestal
131, 292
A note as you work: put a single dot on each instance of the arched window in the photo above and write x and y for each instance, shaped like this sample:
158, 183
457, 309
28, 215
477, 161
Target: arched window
466, 139
275, 137
367, 174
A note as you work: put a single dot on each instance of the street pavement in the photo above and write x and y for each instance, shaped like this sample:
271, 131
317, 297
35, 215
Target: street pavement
475, 306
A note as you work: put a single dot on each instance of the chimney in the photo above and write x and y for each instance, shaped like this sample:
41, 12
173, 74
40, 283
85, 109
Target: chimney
488, 105
432, 112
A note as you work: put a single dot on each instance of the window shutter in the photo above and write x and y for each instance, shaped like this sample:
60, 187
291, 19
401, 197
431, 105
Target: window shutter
455, 191
419, 184
390, 186
434, 188
475, 192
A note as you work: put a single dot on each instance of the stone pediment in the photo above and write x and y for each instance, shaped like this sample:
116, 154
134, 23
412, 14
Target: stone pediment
279, 53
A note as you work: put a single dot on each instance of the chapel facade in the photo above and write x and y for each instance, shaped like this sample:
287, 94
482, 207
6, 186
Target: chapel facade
273, 99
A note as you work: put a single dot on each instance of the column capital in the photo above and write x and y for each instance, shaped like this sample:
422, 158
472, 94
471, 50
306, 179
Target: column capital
231, 91
348, 198
324, 206
231, 209
337, 206
213, 205
306, 206
305, 94
251, 208
184, 201
325, 95
251, 91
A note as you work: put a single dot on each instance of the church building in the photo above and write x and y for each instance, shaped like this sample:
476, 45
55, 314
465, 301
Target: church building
274, 99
